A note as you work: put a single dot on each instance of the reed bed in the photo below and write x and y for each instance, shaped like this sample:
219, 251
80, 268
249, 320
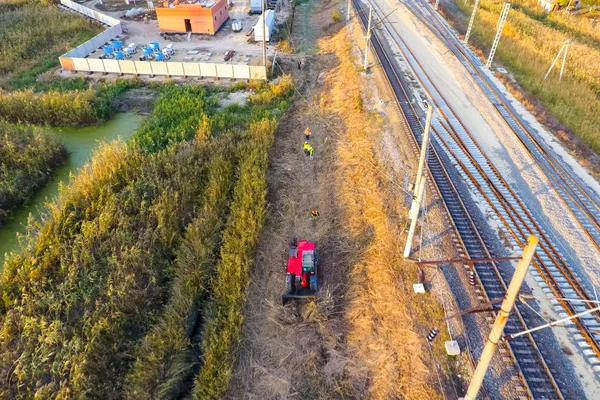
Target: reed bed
113, 290
27, 158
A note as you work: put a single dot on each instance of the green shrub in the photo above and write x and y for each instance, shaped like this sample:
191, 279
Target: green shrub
176, 115
28, 157
336, 16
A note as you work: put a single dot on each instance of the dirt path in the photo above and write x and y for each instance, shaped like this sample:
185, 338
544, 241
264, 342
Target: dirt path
364, 337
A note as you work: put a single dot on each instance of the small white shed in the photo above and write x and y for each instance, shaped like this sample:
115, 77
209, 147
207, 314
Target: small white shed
269, 26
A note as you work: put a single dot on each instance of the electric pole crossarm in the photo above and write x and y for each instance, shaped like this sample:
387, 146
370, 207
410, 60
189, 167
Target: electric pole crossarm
550, 324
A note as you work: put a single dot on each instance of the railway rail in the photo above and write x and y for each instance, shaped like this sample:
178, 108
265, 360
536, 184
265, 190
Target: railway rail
453, 139
476, 167
581, 204
584, 206
529, 361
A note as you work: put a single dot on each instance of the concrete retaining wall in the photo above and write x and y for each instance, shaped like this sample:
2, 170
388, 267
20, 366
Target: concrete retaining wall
77, 59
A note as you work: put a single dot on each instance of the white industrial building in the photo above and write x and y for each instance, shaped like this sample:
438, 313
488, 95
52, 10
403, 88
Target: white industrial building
269, 26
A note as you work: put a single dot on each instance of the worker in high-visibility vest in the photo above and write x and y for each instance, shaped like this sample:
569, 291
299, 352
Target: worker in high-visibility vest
307, 148
307, 132
311, 152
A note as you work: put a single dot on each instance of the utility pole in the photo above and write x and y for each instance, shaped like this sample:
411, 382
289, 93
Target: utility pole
419, 188
264, 35
471, 22
501, 22
366, 65
564, 47
498, 327
424, 144
562, 68
348, 11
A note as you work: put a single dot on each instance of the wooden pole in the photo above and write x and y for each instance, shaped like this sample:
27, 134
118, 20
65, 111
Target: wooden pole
498, 327
264, 49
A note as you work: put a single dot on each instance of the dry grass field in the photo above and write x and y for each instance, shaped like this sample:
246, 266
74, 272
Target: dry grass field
530, 42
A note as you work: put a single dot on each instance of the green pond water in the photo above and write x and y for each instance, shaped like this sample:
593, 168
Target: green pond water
80, 143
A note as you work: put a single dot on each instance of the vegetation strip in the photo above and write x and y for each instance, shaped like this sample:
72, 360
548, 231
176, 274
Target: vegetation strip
165, 359
222, 334
63, 108
90, 283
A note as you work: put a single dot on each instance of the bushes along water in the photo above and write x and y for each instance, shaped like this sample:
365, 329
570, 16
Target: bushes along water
27, 158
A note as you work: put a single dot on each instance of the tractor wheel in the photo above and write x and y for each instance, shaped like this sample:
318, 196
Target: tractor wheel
289, 284
298, 285
313, 283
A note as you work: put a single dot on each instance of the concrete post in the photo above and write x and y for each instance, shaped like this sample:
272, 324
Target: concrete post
562, 68
414, 214
348, 11
498, 328
366, 65
424, 144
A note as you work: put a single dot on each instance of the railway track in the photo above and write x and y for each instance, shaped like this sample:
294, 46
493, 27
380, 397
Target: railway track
584, 207
552, 270
530, 364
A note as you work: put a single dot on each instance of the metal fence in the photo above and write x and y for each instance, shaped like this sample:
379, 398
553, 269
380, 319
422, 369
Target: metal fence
77, 59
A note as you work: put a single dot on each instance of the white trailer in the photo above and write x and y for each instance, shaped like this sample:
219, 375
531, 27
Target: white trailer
269, 26
256, 6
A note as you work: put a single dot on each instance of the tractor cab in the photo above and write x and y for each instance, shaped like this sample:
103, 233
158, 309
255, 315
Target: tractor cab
301, 278
308, 261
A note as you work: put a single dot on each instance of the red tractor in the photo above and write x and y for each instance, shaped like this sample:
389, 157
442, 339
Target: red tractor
301, 278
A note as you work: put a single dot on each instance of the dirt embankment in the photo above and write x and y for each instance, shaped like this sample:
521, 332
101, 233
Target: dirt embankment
363, 338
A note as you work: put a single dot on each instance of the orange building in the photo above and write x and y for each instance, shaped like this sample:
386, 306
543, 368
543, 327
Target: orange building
195, 17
